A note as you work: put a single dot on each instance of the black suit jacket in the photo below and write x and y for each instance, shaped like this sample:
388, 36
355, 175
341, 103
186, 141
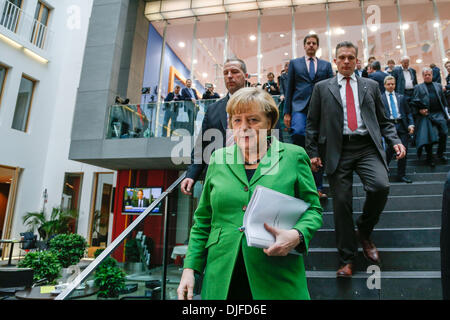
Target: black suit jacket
422, 96
379, 76
215, 118
324, 126
171, 96
403, 107
400, 79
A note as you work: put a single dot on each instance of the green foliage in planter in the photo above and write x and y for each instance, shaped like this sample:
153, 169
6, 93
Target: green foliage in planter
132, 251
109, 279
44, 263
69, 248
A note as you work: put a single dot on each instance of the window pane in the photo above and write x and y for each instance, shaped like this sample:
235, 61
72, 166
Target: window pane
23, 104
383, 31
311, 19
243, 42
2, 80
346, 25
444, 15
209, 51
276, 37
44, 15
420, 34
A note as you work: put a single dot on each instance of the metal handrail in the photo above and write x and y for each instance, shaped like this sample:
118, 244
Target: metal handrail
86, 272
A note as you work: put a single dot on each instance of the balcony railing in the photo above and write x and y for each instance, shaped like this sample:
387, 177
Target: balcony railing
21, 27
144, 121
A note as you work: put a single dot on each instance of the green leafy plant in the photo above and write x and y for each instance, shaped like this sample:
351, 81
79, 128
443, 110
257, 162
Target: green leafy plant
132, 251
69, 248
109, 279
44, 263
59, 222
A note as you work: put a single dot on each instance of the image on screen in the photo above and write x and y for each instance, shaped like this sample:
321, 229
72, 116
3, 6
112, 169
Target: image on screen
137, 199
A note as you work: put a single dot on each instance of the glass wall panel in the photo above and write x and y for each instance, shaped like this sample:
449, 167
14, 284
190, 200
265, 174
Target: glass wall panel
311, 19
383, 31
209, 51
420, 34
276, 37
243, 40
23, 104
346, 25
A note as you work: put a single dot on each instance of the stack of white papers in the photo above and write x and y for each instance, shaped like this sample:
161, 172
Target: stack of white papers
273, 208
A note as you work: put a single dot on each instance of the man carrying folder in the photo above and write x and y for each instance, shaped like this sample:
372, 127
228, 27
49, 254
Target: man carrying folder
345, 124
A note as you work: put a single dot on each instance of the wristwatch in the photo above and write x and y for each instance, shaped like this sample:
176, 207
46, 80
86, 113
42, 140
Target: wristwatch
301, 246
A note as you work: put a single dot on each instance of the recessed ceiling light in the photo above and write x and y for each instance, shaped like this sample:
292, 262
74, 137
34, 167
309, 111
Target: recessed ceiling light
312, 32
252, 37
436, 24
195, 61
181, 44
373, 28
405, 26
419, 61
286, 54
282, 35
204, 74
398, 46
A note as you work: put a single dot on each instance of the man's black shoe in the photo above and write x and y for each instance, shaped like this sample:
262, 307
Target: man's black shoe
404, 179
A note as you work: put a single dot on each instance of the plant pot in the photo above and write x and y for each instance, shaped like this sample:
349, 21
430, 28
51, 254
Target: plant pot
134, 267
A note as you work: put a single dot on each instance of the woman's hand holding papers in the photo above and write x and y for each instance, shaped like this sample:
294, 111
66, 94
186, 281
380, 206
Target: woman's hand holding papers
285, 241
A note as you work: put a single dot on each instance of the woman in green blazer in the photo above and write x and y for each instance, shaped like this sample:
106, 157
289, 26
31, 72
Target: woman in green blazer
217, 245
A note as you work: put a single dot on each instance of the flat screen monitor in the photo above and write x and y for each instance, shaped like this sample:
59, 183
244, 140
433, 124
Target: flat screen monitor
137, 199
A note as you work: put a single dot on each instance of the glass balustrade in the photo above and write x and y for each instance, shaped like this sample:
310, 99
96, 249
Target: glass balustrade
176, 118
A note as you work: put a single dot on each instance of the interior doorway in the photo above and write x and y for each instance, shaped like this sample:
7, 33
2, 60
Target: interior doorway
9, 177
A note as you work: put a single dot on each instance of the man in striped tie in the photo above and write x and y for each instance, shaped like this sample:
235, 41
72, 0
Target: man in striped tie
345, 125
398, 112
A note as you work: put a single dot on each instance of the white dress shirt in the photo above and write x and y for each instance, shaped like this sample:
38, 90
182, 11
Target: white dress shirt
362, 129
408, 79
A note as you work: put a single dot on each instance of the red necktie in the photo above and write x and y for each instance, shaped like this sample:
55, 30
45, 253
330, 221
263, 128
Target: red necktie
351, 110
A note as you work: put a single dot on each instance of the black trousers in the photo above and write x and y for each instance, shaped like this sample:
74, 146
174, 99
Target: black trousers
445, 241
390, 152
239, 287
361, 156
299, 140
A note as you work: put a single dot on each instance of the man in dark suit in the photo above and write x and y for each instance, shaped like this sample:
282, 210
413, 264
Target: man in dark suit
141, 201
215, 123
190, 95
398, 112
359, 70
405, 78
433, 105
367, 70
390, 67
209, 93
346, 123
378, 75
171, 110
436, 73
303, 74
447, 87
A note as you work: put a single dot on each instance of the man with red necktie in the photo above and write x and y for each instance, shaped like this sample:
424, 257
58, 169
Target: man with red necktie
345, 124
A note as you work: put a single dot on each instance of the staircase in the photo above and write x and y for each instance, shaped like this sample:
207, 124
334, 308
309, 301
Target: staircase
407, 237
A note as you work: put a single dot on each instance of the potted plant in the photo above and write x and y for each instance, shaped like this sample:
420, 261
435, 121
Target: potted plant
45, 264
109, 278
59, 222
133, 263
69, 249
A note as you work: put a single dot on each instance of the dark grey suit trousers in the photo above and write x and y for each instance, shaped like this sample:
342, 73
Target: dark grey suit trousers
361, 156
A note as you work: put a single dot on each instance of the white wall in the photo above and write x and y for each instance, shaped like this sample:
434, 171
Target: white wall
43, 150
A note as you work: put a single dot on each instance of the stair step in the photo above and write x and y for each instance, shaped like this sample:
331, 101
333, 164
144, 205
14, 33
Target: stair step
386, 238
400, 285
396, 219
413, 202
400, 188
392, 259
414, 176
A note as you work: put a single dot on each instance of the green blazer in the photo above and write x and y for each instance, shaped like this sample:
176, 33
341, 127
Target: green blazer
215, 239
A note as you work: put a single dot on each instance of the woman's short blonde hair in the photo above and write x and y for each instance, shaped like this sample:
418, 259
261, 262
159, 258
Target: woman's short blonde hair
248, 98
